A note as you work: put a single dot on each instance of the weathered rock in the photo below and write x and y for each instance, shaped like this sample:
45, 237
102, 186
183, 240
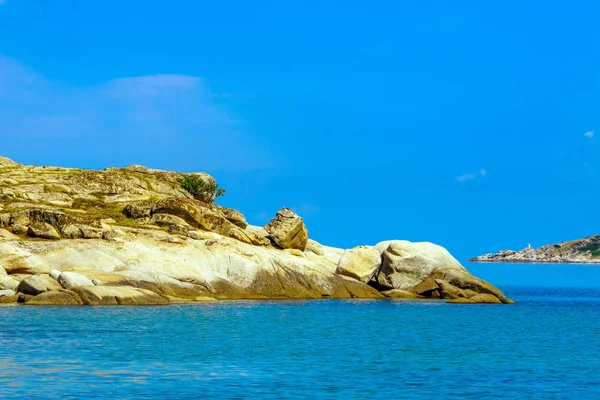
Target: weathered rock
406, 264
18, 229
22, 297
314, 247
7, 293
37, 284
465, 280
139, 209
8, 283
287, 230
97, 282
168, 219
6, 235
448, 291
43, 230
54, 274
9, 299
7, 162
88, 232
55, 298
360, 263
4, 220
203, 217
200, 235
401, 294
233, 216
115, 295
71, 232
112, 234
69, 280
20, 218
485, 298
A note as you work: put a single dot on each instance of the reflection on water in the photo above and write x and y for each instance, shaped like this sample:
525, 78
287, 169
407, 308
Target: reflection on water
544, 347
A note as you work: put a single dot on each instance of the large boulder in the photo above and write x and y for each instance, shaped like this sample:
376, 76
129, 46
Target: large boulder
287, 230
43, 230
69, 280
360, 263
37, 284
406, 264
118, 295
7, 293
8, 283
55, 298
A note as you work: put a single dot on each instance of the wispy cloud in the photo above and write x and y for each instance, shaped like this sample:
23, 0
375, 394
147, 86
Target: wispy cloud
170, 118
473, 175
589, 134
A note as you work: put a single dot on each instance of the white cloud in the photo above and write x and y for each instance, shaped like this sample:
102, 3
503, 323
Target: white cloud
472, 175
466, 177
589, 134
169, 118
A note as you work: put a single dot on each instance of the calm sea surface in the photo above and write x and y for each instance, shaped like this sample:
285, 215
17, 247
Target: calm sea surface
547, 346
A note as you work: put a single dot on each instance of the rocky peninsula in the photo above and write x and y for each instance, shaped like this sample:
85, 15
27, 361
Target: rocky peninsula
580, 251
140, 236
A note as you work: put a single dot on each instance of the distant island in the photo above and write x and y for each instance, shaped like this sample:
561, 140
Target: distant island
580, 251
141, 236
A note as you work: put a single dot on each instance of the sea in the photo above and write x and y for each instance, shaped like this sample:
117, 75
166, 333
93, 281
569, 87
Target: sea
547, 346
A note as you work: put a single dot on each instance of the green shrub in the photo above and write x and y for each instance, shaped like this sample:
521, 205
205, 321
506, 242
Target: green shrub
197, 186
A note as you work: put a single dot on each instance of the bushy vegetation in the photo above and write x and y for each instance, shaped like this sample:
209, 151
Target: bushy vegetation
593, 248
198, 186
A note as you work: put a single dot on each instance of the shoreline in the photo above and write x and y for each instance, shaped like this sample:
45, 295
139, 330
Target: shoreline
533, 262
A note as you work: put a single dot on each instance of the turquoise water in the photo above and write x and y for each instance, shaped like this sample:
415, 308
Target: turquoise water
547, 346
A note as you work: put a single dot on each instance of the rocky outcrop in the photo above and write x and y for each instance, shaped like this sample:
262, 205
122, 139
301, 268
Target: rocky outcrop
287, 230
581, 251
133, 236
360, 263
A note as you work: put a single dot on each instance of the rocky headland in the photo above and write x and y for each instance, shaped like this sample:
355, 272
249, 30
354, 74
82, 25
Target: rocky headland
139, 236
581, 251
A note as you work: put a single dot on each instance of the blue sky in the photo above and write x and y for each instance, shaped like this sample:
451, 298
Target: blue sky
471, 124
